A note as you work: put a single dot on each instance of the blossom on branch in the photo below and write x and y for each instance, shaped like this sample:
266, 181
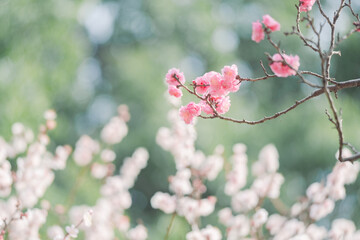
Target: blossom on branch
174, 91
216, 84
212, 89
271, 23
306, 5
257, 32
230, 83
188, 112
173, 76
202, 84
282, 68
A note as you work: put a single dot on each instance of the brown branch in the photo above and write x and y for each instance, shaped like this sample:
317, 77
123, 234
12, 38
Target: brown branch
297, 31
267, 75
311, 73
323, 13
193, 92
352, 10
342, 85
352, 158
169, 227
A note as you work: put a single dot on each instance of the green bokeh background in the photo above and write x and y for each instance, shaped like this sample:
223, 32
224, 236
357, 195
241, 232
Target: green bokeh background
83, 58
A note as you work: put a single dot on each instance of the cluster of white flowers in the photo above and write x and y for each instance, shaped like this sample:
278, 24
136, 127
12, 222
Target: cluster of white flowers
109, 211
22, 185
26, 182
193, 168
246, 218
33, 173
267, 183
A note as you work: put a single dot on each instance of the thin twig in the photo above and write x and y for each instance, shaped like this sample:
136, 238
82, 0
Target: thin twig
169, 227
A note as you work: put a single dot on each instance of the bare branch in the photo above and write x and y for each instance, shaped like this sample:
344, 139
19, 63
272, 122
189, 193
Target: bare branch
267, 75
352, 158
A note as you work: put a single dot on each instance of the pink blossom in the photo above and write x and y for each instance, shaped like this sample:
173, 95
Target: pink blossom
215, 79
271, 23
205, 107
281, 69
257, 32
203, 84
306, 5
188, 112
171, 80
230, 83
174, 91
221, 104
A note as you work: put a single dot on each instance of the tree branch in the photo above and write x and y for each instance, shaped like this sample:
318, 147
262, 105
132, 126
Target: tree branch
342, 85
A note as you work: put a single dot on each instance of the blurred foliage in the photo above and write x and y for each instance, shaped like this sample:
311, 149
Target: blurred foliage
83, 58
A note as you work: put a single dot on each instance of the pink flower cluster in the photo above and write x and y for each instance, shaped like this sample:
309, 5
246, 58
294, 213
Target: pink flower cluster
306, 5
258, 32
285, 65
213, 89
174, 78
